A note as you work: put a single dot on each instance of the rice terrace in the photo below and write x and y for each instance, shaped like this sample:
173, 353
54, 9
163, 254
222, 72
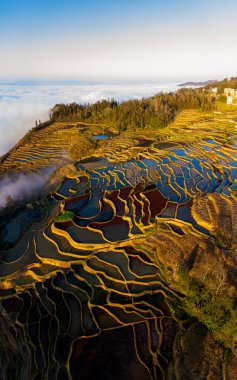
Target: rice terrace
124, 252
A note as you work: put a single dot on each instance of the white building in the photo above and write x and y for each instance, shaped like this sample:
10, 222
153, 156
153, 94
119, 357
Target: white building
230, 92
214, 90
229, 100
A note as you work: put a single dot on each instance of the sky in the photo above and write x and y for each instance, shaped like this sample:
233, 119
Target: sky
101, 40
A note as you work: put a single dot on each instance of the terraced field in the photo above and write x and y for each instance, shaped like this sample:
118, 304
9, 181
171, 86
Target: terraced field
88, 288
48, 148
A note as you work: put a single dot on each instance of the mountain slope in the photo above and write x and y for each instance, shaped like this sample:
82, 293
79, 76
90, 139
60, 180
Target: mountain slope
126, 256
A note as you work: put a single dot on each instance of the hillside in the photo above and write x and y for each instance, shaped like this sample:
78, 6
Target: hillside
121, 263
149, 113
198, 84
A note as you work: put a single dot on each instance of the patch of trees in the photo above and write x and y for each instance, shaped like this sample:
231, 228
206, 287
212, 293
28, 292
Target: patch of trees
209, 302
150, 113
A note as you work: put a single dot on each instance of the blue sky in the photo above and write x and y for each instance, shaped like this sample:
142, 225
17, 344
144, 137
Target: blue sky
152, 39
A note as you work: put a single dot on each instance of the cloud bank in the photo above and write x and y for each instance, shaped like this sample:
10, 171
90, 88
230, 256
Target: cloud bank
21, 105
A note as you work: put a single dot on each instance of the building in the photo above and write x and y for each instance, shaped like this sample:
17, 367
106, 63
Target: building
230, 92
214, 90
229, 100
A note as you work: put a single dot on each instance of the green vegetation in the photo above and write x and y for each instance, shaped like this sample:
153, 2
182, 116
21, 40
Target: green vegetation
69, 215
213, 308
150, 113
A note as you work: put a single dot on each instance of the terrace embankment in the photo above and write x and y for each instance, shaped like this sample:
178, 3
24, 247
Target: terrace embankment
52, 146
132, 262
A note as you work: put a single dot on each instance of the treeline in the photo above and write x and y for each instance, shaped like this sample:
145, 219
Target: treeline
154, 112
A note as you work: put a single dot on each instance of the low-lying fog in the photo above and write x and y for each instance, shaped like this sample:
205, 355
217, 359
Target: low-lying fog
19, 187
22, 104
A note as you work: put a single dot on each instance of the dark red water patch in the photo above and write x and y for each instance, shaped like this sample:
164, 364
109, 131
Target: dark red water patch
124, 193
157, 201
120, 205
139, 187
149, 187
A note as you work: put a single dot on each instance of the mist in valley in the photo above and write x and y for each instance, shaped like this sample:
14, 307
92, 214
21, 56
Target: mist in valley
21, 187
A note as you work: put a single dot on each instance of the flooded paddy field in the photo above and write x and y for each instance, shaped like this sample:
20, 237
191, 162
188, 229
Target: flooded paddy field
97, 269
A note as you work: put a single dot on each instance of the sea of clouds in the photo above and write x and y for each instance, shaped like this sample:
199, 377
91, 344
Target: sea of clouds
22, 104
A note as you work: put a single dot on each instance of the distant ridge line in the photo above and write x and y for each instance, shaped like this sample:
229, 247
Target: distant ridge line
197, 83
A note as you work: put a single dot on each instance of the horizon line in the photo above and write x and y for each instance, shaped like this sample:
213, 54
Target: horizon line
110, 80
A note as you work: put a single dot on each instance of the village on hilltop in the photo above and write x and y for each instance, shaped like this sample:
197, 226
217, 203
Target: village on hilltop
230, 93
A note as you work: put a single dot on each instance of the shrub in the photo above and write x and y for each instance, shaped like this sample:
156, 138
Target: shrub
68, 215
